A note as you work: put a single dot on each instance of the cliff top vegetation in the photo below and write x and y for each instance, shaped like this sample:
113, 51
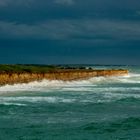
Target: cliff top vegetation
34, 68
5, 68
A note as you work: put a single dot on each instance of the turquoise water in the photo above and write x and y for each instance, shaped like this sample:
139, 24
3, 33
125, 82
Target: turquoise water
94, 109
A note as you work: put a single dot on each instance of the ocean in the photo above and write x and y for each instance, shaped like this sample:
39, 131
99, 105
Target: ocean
99, 108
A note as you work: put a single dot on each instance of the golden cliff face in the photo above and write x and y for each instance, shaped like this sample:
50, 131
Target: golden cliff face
68, 75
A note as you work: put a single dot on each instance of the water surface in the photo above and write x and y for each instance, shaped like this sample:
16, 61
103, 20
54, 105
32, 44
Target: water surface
98, 108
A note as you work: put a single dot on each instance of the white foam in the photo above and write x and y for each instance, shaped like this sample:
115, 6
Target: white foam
35, 99
15, 104
44, 85
100, 97
79, 85
131, 78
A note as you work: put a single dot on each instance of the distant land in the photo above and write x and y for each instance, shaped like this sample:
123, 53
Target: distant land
12, 74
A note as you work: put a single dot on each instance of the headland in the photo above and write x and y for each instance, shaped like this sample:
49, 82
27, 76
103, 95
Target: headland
12, 74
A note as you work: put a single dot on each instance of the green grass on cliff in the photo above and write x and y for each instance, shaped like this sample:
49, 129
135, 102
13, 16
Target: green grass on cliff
26, 68
34, 68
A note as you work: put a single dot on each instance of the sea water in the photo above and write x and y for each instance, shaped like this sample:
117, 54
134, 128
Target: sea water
99, 108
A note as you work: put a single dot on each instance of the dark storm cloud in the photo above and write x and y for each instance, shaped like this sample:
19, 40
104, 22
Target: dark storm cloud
70, 31
56, 52
65, 2
13, 3
96, 4
73, 29
33, 11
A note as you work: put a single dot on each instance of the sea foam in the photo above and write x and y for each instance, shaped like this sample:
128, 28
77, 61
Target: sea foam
79, 85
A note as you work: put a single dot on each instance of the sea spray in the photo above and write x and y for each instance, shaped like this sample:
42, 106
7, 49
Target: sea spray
50, 84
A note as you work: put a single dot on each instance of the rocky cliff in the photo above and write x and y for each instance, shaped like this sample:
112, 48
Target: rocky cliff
66, 75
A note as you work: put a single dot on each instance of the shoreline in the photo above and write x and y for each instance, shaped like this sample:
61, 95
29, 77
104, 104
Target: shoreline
59, 74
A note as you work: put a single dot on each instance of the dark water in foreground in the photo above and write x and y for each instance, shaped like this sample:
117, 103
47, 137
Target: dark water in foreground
95, 109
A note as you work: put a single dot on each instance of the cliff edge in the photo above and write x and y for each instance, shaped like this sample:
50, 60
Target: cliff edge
65, 75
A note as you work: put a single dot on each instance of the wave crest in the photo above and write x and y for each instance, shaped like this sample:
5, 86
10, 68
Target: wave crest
46, 85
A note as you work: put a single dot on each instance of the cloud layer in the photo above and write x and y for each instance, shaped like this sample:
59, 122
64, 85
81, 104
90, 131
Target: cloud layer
93, 27
73, 29
10, 3
64, 2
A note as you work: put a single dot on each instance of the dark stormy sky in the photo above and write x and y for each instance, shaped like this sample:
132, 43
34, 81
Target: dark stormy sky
70, 31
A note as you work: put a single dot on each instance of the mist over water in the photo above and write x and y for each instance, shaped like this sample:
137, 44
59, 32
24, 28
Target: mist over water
103, 108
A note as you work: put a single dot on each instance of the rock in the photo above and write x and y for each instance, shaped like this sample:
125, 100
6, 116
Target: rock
65, 75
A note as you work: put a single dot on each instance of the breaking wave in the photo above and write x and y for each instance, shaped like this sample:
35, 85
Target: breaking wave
88, 99
79, 85
91, 91
12, 104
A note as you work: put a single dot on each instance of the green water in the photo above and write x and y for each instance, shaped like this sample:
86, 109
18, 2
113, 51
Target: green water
95, 109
